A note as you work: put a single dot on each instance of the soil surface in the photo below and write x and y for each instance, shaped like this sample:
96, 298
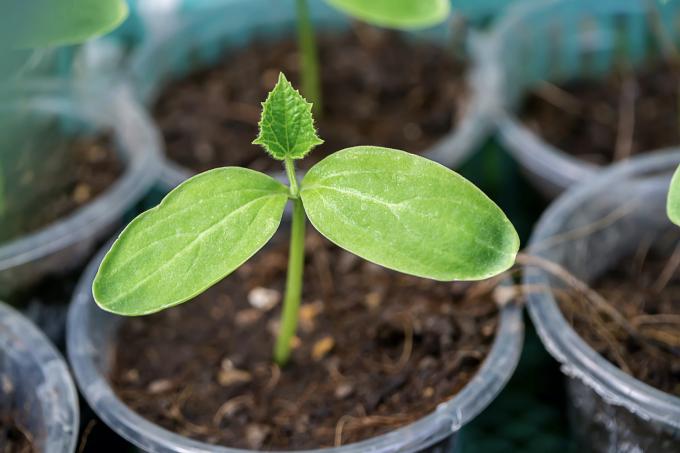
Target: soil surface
14, 439
378, 88
376, 350
645, 290
606, 120
45, 191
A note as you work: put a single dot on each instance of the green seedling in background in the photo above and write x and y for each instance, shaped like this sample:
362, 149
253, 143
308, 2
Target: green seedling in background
673, 205
397, 14
28, 24
41, 23
390, 207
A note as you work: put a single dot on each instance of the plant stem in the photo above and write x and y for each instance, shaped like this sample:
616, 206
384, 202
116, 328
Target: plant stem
311, 86
291, 302
296, 259
290, 172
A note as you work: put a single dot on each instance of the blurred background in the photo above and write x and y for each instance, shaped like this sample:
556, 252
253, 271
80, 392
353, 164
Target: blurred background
525, 98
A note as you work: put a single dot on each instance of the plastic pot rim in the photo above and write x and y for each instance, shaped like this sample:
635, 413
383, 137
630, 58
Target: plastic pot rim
142, 166
56, 373
577, 358
464, 139
447, 418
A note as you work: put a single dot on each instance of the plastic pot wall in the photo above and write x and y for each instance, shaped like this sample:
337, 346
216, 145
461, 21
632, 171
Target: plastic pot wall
37, 389
198, 39
42, 120
587, 231
91, 344
559, 40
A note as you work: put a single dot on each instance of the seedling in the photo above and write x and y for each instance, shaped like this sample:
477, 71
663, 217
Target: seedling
390, 207
673, 205
397, 14
41, 23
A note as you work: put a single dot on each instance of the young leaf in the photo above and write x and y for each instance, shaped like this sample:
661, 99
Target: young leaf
287, 126
673, 206
201, 232
38, 23
408, 213
400, 14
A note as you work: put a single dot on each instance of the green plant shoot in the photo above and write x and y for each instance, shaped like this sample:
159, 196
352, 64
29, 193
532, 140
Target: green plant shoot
390, 207
673, 204
396, 14
40, 23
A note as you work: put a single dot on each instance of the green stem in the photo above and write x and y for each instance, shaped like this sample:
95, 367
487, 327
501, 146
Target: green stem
290, 172
291, 302
311, 86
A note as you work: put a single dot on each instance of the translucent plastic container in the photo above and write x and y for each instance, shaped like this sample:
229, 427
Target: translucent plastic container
91, 347
37, 389
74, 111
197, 39
558, 40
587, 231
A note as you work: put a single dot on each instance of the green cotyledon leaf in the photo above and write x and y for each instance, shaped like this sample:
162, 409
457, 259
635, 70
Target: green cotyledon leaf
673, 205
409, 214
399, 14
201, 232
287, 126
39, 23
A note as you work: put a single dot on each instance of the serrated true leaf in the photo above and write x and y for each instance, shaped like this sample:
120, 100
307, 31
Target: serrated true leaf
400, 14
201, 232
408, 213
38, 23
673, 206
287, 126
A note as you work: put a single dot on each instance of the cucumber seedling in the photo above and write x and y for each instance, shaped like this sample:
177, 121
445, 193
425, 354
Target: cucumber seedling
396, 14
393, 208
31, 24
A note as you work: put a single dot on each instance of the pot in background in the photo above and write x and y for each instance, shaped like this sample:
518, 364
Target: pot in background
556, 41
191, 39
45, 112
587, 231
36, 385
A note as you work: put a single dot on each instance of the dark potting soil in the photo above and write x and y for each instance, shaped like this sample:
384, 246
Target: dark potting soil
645, 290
376, 350
378, 88
13, 438
602, 121
48, 190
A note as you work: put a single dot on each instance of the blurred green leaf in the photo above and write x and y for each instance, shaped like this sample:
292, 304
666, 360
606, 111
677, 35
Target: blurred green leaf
40, 23
408, 213
673, 206
400, 14
200, 233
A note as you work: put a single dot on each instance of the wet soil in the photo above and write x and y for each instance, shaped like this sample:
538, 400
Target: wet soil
379, 89
59, 184
376, 350
645, 291
602, 121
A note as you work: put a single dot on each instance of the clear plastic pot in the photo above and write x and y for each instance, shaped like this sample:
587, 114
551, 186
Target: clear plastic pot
554, 41
587, 231
40, 110
37, 389
197, 38
91, 344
